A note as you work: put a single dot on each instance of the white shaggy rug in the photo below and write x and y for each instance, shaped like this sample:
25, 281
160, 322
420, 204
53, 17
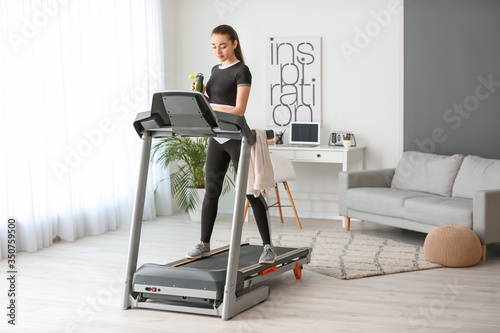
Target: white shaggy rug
348, 255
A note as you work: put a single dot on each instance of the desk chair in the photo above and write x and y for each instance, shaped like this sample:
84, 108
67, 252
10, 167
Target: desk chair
283, 172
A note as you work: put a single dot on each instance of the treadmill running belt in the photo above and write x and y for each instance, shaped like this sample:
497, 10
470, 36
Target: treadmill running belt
249, 256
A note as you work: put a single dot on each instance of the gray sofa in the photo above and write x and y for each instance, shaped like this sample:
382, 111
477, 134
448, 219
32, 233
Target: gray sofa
426, 191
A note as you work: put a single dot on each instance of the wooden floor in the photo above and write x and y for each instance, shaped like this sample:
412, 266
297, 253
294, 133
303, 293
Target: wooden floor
77, 287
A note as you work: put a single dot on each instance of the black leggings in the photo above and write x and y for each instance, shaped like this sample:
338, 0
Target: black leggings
218, 158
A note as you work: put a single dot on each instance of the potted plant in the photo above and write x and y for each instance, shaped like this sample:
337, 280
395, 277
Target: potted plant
190, 155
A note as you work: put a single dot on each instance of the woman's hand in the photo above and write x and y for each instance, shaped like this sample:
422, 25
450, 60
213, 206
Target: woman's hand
202, 91
202, 88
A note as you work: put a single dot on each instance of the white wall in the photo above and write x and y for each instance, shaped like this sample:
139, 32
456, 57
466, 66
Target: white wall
361, 90
169, 8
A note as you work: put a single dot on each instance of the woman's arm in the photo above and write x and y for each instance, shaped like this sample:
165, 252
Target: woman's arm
204, 95
242, 95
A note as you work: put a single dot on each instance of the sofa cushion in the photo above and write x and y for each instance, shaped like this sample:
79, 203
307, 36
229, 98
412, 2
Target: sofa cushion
440, 211
428, 173
476, 173
382, 200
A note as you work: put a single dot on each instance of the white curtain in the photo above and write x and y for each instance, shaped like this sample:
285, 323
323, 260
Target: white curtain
73, 76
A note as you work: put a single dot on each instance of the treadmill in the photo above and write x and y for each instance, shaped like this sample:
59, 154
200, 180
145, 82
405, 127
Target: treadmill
229, 281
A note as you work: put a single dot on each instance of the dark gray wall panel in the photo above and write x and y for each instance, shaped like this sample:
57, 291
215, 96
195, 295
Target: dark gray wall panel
452, 77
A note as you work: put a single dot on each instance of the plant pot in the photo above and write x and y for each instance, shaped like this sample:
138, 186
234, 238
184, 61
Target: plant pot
195, 215
347, 143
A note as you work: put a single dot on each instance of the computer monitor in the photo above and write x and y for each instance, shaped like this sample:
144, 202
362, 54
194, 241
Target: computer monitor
305, 133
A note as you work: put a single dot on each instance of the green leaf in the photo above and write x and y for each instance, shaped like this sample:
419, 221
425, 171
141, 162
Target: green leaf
190, 155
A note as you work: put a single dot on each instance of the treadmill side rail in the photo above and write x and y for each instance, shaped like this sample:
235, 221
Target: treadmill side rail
136, 224
242, 303
236, 231
279, 270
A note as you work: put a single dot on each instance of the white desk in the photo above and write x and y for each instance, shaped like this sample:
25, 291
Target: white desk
351, 158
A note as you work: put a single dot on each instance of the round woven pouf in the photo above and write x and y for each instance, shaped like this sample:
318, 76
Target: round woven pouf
453, 246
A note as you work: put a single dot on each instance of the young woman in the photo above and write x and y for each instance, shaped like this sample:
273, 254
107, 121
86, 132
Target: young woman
228, 89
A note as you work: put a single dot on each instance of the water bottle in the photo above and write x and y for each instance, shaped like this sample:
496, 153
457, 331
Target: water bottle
198, 83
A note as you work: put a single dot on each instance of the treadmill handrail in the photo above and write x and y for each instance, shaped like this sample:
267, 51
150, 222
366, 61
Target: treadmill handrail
173, 120
224, 119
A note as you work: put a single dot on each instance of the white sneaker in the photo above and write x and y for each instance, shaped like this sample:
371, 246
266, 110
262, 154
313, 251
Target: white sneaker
200, 251
268, 255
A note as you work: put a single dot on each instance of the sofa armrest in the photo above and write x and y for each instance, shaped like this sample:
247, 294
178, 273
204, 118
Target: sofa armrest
486, 215
363, 178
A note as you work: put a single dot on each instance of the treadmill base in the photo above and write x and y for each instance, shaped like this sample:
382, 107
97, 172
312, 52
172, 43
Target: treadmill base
241, 303
188, 286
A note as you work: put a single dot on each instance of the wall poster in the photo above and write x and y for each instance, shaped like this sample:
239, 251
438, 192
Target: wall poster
293, 83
